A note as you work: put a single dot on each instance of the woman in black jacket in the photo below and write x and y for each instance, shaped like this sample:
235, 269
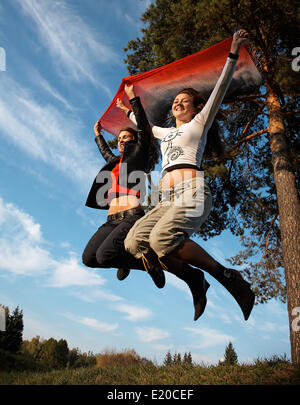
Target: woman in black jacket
119, 187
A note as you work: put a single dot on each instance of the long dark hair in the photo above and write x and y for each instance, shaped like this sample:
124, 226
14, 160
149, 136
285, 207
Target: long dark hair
131, 131
214, 146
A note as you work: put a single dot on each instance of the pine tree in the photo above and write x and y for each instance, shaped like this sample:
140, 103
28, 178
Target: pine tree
187, 359
168, 359
230, 357
11, 339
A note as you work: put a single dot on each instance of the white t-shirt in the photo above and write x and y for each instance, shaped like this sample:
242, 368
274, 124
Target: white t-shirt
185, 145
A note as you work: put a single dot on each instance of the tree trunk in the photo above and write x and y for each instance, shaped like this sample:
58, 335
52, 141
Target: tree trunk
289, 217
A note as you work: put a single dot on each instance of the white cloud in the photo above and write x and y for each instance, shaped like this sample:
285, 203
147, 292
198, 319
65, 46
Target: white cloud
45, 133
134, 313
34, 326
94, 295
23, 252
149, 334
163, 348
226, 319
204, 359
93, 323
76, 49
267, 326
69, 272
210, 337
46, 86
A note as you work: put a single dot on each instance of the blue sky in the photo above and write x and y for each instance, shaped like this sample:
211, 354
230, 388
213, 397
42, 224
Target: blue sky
64, 63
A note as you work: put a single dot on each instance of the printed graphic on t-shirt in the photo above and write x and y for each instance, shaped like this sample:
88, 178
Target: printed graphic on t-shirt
172, 152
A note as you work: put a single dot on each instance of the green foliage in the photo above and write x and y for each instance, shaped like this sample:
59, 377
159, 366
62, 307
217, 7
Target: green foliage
177, 359
230, 357
242, 184
53, 354
168, 359
11, 338
263, 372
82, 359
113, 144
18, 362
111, 358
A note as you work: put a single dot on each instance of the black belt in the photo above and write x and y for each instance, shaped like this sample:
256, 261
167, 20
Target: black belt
123, 214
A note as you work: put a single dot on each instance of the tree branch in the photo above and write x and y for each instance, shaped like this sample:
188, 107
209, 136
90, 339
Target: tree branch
251, 96
259, 110
291, 112
247, 138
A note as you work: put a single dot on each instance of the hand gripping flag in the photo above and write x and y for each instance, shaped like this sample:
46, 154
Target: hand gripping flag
158, 87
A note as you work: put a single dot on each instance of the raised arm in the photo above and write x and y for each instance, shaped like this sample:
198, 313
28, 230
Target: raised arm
102, 145
126, 110
214, 102
137, 115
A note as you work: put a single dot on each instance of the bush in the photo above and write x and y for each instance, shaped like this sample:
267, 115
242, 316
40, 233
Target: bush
125, 358
18, 362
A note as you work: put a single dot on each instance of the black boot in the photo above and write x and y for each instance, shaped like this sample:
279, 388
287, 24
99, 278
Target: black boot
153, 270
198, 285
195, 280
158, 276
239, 288
122, 273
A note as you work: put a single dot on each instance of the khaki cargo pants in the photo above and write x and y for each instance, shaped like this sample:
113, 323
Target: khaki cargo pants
181, 211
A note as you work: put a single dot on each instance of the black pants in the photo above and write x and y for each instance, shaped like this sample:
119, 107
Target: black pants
106, 249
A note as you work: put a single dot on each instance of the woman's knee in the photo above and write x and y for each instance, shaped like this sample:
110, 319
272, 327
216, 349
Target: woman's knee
131, 244
102, 260
89, 260
156, 240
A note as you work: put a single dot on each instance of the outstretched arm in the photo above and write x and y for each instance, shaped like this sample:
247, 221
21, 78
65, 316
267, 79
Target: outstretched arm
129, 90
138, 115
102, 145
212, 105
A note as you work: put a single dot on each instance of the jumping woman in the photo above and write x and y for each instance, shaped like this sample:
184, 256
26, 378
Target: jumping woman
113, 189
162, 235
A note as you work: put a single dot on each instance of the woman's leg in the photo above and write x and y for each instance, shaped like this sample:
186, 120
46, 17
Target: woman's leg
89, 254
142, 241
112, 253
190, 252
137, 239
169, 238
194, 279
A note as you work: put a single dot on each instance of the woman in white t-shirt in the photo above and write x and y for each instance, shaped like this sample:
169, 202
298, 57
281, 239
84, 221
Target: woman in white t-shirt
163, 233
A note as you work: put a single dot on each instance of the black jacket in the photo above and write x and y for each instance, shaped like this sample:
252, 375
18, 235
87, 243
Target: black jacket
135, 162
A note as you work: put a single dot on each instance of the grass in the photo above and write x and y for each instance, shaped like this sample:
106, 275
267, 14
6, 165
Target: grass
127, 368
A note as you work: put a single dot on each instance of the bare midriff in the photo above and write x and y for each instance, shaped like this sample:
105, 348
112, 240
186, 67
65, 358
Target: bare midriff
123, 203
176, 176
